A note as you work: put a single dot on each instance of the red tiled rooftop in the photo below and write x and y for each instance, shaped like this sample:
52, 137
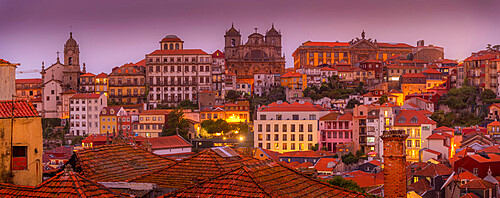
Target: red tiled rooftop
85, 96
413, 75
444, 128
470, 195
436, 136
110, 111
420, 186
2, 61
168, 142
206, 164
218, 54
263, 179
431, 71
433, 170
179, 52
408, 115
102, 75
366, 180
465, 175
29, 81
491, 149
313, 154
291, 107
327, 69
87, 75
481, 159
326, 164
478, 184
22, 108
64, 184
494, 123
336, 116
117, 162
291, 75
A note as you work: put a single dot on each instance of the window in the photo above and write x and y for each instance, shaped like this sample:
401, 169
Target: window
292, 146
268, 137
292, 138
408, 143
341, 135
284, 137
278, 117
268, 128
260, 137
309, 137
301, 137
276, 137
309, 128
262, 117
284, 129
346, 134
268, 145
276, 128
292, 128
312, 117
474, 171
284, 146
301, 128
417, 143
295, 117
19, 158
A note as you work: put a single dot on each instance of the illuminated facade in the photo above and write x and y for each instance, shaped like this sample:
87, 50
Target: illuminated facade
127, 84
109, 119
413, 83
28, 88
86, 83
418, 127
151, 123
101, 84
357, 50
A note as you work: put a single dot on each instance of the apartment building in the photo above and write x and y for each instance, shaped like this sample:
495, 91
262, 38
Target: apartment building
334, 129
28, 88
286, 127
418, 127
109, 119
151, 123
127, 83
84, 113
176, 74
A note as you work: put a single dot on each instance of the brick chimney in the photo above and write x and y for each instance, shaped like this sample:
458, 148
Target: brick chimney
394, 163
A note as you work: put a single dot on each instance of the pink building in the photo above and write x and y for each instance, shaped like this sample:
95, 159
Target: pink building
335, 129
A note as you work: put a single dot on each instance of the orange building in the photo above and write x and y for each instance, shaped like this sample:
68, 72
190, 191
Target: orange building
28, 88
413, 83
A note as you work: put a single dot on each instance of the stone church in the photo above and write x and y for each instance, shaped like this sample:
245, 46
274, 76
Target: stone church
260, 54
59, 78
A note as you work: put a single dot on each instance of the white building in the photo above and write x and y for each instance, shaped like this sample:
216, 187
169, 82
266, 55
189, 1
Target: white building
84, 113
219, 76
51, 99
175, 74
286, 127
327, 72
313, 75
263, 82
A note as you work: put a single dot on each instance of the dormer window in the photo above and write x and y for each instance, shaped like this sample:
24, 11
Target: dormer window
414, 119
402, 120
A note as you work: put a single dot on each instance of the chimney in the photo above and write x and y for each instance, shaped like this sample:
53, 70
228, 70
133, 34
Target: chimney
7, 80
394, 163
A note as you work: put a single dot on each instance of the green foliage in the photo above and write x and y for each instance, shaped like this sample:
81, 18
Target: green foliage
459, 99
382, 99
333, 89
349, 159
176, 122
315, 147
488, 95
345, 184
360, 153
455, 119
277, 93
335, 156
77, 140
232, 95
352, 103
188, 104
216, 126
50, 122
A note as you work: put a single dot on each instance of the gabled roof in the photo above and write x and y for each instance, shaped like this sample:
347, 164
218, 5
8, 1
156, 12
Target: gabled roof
494, 123
481, 159
22, 108
291, 74
465, 175
263, 179
491, 149
470, 195
413, 75
203, 165
87, 75
420, 186
337, 116
110, 111
168, 142
85, 96
327, 69
367, 180
375, 162
436, 136
478, 184
326, 164
444, 128
433, 170
431, 71
218, 54
405, 117
102, 75
64, 184
313, 154
291, 107
179, 52
116, 162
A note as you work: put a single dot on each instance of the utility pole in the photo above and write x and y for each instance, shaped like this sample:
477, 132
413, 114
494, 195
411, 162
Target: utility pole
12, 134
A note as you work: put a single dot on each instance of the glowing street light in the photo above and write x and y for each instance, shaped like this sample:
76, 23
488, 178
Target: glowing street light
241, 138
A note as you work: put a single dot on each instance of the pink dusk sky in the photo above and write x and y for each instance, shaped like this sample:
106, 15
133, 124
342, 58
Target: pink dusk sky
113, 32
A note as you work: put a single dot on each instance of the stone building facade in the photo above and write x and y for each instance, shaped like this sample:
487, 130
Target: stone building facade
259, 54
178, 74
357, 50
394, 163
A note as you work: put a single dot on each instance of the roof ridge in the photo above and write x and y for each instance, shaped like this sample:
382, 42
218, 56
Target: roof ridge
246, 170
76, 185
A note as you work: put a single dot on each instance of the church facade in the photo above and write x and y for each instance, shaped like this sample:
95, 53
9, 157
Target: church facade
260, 54
60, 77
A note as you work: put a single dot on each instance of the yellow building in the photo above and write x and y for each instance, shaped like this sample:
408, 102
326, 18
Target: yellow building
127, 84
212, 113
108, 119
293, 80
237, 112
21, 144
418, 127
494, 130
151, 123
413, 83
28, 88
399, 96
101, 84
434, 78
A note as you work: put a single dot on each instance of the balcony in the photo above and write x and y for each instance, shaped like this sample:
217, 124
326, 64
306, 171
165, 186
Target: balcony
493, 84
493, 75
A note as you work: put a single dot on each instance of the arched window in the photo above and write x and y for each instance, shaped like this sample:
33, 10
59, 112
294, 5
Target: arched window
70, 60
233, 43
165, 46
171, 46
177, 46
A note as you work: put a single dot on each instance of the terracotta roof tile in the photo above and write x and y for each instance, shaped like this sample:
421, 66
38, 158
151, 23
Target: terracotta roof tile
326, 164
420, 186
116, 162
218, 54
22, 108
465, 175
102, 75
179, 52
85, 96
291, 74
110, 111
201, 166
413, 75
366, 180
433, 170
87, 74
478, 184
470, 195
494, 123
64, 184
29, 81
317, 154
436, 136
291, 107
491, 149
481, 159
404, 118
263, 179
431, 71
2, 61
168, 142
445, 129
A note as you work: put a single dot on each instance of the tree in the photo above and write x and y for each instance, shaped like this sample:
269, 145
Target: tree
487, 95
232, 95
352, 103
349, 159
216, 126
315, 147
344, 183
176, 122
382, 99
188, 104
